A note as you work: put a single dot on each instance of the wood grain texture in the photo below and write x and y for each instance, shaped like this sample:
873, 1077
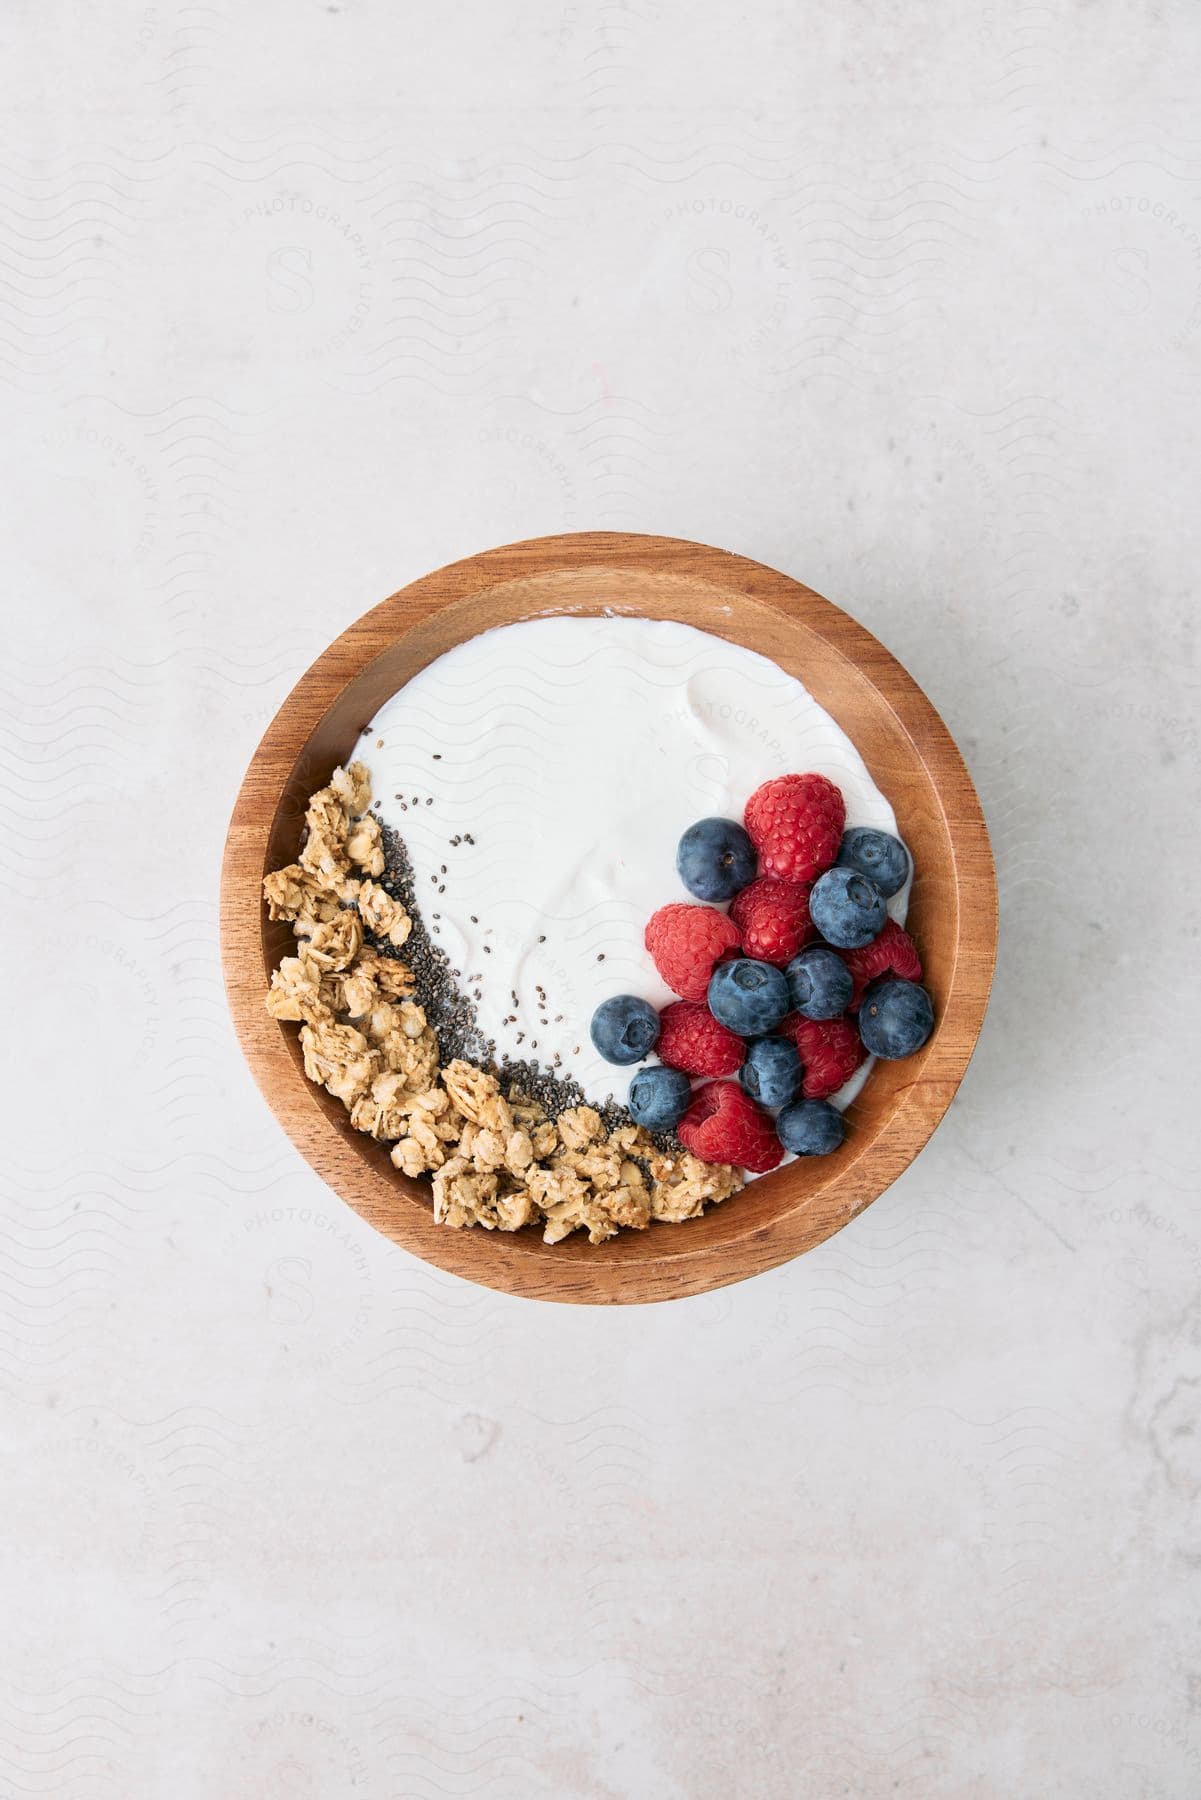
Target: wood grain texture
912, 759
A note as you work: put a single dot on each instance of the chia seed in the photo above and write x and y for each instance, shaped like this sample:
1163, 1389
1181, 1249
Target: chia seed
452, 1015
448, 1009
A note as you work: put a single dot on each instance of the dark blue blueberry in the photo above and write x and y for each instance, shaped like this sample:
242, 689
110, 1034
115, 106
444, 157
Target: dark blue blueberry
715, 858
876, 854
895, 1017
659, 1097
748, 997
819, 983
771, 1073
625, 1029
847, 908
810, 1128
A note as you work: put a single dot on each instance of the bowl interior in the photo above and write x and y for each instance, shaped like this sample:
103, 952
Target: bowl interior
912, 761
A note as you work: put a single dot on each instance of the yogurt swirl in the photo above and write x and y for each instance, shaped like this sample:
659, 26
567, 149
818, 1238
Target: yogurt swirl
541, 775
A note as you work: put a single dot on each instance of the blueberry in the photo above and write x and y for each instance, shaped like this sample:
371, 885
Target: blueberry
810, 1128
876, 854
659, 1097
895, 1017
847, 908
771, 1073
819, 983
748, 997
715, 858
625, 1029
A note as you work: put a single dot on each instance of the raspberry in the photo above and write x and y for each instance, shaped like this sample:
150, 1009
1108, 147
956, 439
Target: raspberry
795, 823
893, 952
685, 942
830, 1050
691, 1039
773, 918
723, 1125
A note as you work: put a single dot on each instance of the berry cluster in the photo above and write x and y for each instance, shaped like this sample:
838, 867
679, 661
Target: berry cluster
790, 990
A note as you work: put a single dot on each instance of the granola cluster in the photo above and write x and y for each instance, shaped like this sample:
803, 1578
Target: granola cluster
495, 1160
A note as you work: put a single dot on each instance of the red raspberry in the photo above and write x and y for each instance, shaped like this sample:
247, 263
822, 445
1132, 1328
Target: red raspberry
773, 918
691, 1039
723, 1125
795, 823
830, 1051
893, 952
685, 942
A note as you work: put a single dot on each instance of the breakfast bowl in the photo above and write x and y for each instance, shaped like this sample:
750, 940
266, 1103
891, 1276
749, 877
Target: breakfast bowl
909, 755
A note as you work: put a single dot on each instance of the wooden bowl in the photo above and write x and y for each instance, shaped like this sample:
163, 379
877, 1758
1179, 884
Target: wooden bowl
911, 757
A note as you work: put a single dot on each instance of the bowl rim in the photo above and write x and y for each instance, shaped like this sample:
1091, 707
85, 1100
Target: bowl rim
519, 1263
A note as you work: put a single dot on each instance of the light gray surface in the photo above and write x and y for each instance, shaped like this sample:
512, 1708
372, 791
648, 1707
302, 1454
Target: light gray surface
300, 301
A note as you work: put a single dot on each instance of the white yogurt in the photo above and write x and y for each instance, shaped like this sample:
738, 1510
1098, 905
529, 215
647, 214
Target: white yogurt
575, 752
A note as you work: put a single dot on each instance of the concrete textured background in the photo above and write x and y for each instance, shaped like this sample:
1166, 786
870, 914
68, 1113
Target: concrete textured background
299, 301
